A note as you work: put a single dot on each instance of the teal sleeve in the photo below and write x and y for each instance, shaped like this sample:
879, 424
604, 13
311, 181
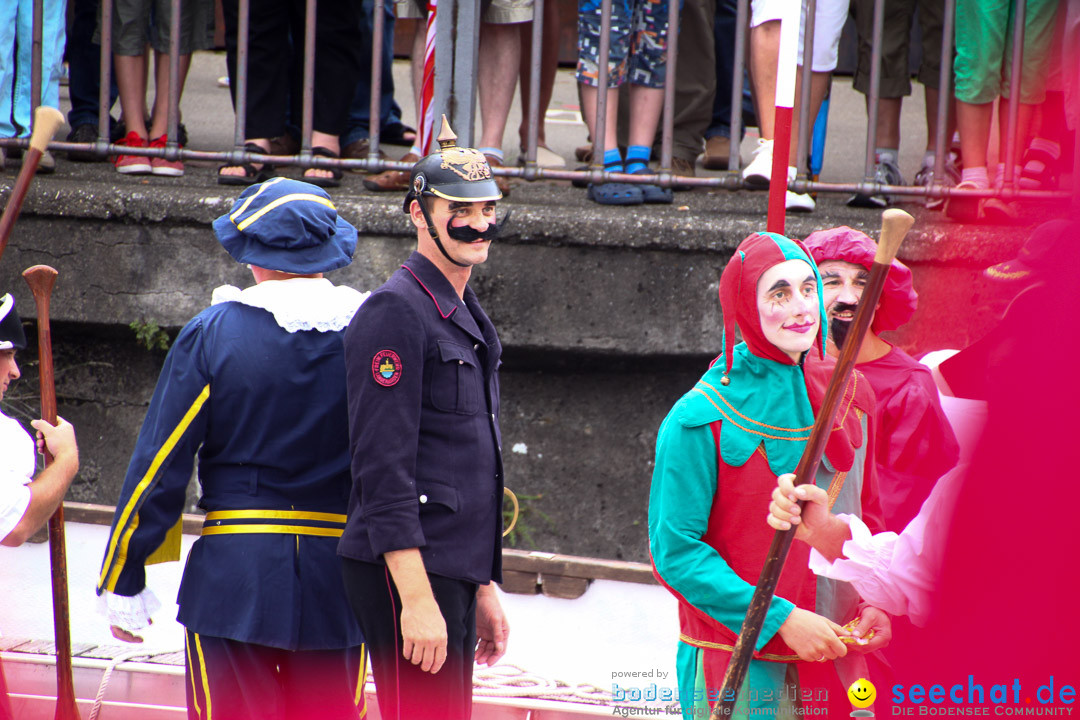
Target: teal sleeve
683, 488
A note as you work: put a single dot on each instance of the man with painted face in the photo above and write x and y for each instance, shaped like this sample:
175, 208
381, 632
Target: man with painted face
915, 444
718, 454
422, 545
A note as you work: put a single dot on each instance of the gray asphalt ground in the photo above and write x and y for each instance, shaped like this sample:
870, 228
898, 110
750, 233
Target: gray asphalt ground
208, 115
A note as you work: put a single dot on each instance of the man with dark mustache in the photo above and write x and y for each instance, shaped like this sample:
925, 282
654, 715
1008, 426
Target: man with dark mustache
915, 444
422, 546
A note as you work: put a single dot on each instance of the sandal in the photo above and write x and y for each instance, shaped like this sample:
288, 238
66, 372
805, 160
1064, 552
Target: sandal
616, 194
335, 173
1041, 170
252, 174
654, 194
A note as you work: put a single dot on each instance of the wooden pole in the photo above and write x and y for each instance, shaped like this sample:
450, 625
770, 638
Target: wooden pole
46, 121
40, 278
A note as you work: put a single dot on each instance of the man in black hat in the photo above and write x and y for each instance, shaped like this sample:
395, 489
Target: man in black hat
422, 545
254, 387
26, 501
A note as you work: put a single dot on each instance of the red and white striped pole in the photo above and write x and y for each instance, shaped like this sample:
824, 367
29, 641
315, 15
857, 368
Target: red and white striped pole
426, 113
786, 70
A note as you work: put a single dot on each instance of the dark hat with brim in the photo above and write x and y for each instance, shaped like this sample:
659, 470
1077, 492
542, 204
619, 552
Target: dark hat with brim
1050, 248
286, 225
11, 331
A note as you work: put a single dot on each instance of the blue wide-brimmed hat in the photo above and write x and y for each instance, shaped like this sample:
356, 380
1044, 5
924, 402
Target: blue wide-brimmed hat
286, 225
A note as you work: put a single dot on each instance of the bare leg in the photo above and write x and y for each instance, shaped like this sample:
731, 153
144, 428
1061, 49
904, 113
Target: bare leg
549, 64
1022, 133
888, 122
131, 80
160, 112
974, 121
645, 106
932, 96
764, 56
497, 76
589, 96
819, 85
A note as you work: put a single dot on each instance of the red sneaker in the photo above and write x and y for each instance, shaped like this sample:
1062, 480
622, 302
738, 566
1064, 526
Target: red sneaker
162, 166
132, 164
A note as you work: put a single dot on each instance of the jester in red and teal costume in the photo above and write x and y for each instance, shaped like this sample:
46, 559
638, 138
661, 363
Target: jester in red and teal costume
718, 454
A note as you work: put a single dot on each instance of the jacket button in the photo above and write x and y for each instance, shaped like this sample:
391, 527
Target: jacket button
460, 362
476, 346
423, 498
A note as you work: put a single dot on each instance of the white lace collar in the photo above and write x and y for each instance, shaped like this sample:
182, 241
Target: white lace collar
298, 303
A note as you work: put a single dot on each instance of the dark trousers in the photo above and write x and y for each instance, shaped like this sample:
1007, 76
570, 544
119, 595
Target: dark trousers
359, 125
84, 62
242, 681
405, 691
276, 63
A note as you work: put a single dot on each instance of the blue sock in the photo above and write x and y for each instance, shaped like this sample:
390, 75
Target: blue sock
613, 160
637, 158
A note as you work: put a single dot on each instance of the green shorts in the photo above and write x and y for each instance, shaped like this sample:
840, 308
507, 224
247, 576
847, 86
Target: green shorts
984, 40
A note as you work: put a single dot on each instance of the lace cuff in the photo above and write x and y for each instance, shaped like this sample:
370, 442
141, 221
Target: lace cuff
129, 613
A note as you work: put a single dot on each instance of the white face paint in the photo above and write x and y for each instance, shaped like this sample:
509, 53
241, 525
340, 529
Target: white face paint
787, 303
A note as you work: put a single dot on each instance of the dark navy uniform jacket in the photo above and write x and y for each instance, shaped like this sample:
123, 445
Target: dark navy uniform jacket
265, 411
422, 368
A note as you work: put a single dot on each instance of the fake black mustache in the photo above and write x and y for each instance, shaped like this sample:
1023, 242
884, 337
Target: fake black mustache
838, 328
467, 234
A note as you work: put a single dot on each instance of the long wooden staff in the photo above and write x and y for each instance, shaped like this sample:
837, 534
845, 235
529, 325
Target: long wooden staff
46, 121
894, 226
40, 278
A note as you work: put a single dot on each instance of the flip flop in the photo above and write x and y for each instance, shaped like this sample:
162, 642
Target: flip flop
251, 174
616, 194
324, 182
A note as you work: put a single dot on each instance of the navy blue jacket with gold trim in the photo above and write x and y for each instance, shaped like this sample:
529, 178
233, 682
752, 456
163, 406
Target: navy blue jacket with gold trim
264, 410
424, 427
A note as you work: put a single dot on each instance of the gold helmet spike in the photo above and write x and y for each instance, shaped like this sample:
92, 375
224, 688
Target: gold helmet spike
446, 138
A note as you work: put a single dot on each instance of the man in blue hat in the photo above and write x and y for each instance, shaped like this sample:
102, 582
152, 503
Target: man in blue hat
254, 388
422, 546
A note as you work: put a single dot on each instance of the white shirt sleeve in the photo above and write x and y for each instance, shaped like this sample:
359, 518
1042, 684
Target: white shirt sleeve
898, 573
16, 471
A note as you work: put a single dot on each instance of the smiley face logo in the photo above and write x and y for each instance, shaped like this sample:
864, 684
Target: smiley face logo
862, 693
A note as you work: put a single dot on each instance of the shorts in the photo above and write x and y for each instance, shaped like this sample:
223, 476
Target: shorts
136, 22
896, 36
496, 12
829, 23
638, 43
984, 40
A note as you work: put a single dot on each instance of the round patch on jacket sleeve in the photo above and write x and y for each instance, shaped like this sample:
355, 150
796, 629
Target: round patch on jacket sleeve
386, 368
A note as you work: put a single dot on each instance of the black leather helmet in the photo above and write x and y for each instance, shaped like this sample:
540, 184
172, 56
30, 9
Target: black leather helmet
452, 172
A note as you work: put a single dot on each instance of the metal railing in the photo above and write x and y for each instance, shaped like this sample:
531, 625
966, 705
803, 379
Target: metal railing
455, 94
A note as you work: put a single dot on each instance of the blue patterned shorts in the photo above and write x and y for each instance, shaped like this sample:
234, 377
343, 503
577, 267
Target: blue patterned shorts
638, 42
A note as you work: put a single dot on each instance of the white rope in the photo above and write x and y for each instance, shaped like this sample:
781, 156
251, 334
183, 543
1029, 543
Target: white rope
122, 657
509, 681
